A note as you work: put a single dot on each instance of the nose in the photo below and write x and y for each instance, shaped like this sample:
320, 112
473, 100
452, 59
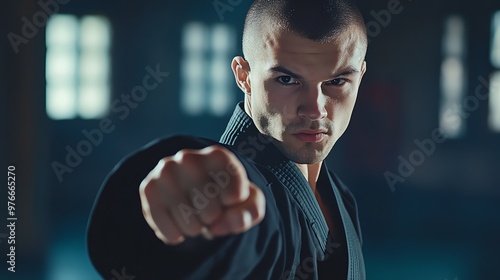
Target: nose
313, 103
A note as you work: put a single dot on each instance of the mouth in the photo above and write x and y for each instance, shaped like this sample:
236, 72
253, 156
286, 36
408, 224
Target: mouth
311, 136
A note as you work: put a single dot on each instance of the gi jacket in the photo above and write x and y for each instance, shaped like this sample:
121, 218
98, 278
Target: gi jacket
292, 241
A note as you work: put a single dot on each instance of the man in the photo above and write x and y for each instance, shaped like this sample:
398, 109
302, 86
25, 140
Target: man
261, 204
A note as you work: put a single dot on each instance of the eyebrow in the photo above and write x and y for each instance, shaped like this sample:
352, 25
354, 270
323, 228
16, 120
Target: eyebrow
349, 71
282, 69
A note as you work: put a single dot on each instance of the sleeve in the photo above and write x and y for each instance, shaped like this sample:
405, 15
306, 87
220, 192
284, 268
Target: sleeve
120, 242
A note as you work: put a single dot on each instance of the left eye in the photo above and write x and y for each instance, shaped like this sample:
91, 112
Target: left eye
286, 80
337, 82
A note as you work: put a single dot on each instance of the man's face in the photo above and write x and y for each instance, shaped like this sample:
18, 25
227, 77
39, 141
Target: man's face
302, 93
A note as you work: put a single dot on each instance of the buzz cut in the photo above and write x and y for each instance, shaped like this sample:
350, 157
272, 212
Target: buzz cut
317, 20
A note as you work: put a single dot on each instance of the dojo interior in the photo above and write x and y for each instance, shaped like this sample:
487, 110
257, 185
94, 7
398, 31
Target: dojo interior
421, 154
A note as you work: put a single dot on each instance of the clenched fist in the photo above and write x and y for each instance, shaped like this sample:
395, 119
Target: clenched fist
197, 192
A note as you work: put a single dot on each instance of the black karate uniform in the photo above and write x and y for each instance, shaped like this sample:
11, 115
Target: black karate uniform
292, 242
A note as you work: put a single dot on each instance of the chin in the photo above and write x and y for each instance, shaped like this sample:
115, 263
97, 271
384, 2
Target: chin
304, 155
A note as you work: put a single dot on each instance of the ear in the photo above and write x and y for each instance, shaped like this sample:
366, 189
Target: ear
363, 69
241, 71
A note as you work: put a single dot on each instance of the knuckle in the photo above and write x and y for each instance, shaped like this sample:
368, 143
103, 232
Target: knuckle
180, 154
234, 193
238, 222
255, 206
260, 205
260, 214
148, 188
233, 168
160, 191
166, 166
237, 192
186, 157
219, 152
151, 188
255, 211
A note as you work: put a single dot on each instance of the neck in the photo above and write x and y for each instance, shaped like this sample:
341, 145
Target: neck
311, 172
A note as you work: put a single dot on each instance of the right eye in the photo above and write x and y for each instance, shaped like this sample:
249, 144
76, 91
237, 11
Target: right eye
286, 80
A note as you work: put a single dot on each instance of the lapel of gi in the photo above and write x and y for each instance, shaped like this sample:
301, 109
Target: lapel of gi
356, 266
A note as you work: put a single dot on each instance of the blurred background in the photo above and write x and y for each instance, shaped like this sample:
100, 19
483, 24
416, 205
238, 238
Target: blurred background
422, 153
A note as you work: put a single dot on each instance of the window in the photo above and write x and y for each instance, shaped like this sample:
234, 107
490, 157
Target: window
453, 78
77, 67
206, 83
494, 100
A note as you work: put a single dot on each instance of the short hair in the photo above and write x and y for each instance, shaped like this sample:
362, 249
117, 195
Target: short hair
317, 20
